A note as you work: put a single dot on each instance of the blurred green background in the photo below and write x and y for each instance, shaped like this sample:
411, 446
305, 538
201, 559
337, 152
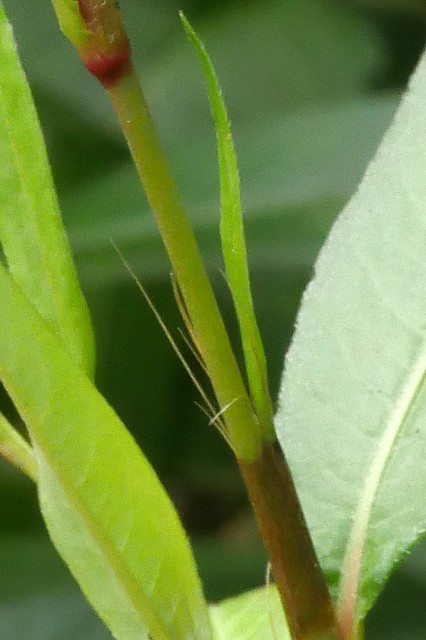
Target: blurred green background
311, 86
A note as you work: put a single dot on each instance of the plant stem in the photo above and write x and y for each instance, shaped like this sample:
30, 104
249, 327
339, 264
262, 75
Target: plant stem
96, 29
133, 114
279, 515
300, 581
296, 570
16, 450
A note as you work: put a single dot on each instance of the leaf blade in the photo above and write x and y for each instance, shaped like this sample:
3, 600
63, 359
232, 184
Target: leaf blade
249, 616
233, 241
95, 481
31, 231
354, 438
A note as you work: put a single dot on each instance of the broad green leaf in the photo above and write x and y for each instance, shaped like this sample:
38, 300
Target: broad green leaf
233, 242
106, 511
31, 232
352, 405
254, 615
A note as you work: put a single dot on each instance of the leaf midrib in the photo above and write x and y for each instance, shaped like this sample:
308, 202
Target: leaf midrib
352, 562
102, 541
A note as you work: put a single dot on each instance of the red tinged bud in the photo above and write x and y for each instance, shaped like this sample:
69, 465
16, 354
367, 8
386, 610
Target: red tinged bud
107, 53
109, 67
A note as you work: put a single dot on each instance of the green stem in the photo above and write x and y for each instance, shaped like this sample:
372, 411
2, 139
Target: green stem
133, 114
302, 586
16, 450
96, 29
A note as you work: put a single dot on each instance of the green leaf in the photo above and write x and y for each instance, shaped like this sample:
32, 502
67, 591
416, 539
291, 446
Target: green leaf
234, 244
251, 616
352, 403
31, 231
106, 511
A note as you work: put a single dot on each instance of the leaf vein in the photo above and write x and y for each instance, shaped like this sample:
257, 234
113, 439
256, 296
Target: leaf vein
352, 562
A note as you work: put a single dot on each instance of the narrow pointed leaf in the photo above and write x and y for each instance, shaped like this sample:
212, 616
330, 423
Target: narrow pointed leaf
31, 231
106, 511
254, 615
352, 416
233, 241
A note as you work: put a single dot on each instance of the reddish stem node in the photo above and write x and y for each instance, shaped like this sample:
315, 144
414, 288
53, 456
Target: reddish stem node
109, 67
106, 54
